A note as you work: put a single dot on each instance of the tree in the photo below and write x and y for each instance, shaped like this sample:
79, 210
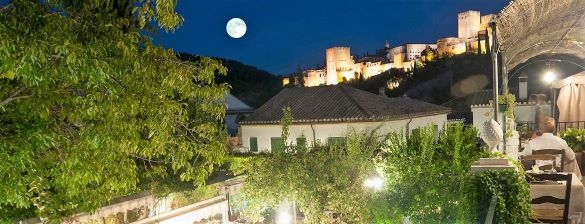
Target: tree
428, 172
91, 109
428, 54
321, 179
299, 77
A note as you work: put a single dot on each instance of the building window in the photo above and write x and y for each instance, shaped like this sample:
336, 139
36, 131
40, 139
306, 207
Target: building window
253, 144
336, 141
276, 145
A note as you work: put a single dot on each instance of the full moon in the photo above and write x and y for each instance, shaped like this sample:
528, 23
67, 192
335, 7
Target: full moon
236, 27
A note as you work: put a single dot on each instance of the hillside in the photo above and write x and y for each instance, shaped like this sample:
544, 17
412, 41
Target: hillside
251, 85
444, 81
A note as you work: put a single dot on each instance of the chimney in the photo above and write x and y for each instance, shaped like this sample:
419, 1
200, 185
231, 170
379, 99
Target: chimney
522, 88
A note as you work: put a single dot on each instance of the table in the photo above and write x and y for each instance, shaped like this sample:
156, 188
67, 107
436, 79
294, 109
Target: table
577, 202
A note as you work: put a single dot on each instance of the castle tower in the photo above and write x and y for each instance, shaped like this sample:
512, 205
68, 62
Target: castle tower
468, 23
339, 64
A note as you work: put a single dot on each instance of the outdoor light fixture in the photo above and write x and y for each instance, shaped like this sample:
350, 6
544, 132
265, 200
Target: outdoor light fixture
376, 183
284, 218
549, 77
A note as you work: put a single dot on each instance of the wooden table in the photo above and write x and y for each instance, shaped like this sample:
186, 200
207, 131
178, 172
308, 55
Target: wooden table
577, 202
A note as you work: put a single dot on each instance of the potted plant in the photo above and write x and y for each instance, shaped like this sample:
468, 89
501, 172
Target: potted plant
576, 140
507, 102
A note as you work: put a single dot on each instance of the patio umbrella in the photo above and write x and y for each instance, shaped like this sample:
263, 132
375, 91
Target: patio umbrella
571, 98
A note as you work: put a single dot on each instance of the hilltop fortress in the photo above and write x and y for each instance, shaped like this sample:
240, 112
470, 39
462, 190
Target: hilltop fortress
474, 36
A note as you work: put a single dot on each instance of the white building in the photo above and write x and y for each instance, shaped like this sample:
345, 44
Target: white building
236, 110
315, 77
325, 113
524, 110
473, 34
403, 56
341, 66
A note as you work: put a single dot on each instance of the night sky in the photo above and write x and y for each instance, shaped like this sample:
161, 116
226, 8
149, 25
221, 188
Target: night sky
284, 34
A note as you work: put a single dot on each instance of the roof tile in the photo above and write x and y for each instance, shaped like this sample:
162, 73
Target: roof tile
339, 103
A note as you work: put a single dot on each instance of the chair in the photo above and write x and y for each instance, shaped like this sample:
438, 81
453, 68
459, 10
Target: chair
552, 215
555, 152
530, 160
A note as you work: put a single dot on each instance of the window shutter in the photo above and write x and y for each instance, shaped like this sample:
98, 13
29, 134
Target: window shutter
336, 141
276, 145
253, 144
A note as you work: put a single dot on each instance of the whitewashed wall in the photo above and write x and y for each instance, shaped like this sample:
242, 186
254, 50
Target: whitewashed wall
522, 112
217, 206
263, 133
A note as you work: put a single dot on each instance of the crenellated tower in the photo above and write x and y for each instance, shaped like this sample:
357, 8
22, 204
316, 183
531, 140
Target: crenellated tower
340, 65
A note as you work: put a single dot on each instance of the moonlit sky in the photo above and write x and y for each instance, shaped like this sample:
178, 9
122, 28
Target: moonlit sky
284, 34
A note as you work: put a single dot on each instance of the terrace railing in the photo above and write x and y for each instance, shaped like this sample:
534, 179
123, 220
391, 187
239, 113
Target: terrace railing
562, 126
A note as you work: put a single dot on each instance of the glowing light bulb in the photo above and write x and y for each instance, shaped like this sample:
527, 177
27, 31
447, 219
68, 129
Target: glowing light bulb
549, 77
375, 183
284, 218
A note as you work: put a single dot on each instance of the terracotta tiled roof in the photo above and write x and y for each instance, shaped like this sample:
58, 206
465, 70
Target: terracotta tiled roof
484, 96
481, 97
339, 103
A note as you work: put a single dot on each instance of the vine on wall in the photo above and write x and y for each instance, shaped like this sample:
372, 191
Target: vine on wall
508, 102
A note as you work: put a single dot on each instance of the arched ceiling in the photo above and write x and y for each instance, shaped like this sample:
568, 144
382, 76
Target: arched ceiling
527, 28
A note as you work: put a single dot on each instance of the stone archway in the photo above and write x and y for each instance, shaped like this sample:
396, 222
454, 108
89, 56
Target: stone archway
527, 28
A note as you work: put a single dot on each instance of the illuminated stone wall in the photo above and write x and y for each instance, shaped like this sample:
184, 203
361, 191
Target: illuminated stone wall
315, 77
339, 63
406, 53
468, 23
450, 46
370, 69
485, 26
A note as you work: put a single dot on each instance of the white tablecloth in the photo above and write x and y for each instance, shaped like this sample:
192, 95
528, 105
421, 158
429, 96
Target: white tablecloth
577, 202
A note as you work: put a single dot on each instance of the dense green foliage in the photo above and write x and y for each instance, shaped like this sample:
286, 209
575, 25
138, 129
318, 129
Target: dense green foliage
512, 195
200, 193
323, 180
429, 179
428, 175
90, 109
575, 138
